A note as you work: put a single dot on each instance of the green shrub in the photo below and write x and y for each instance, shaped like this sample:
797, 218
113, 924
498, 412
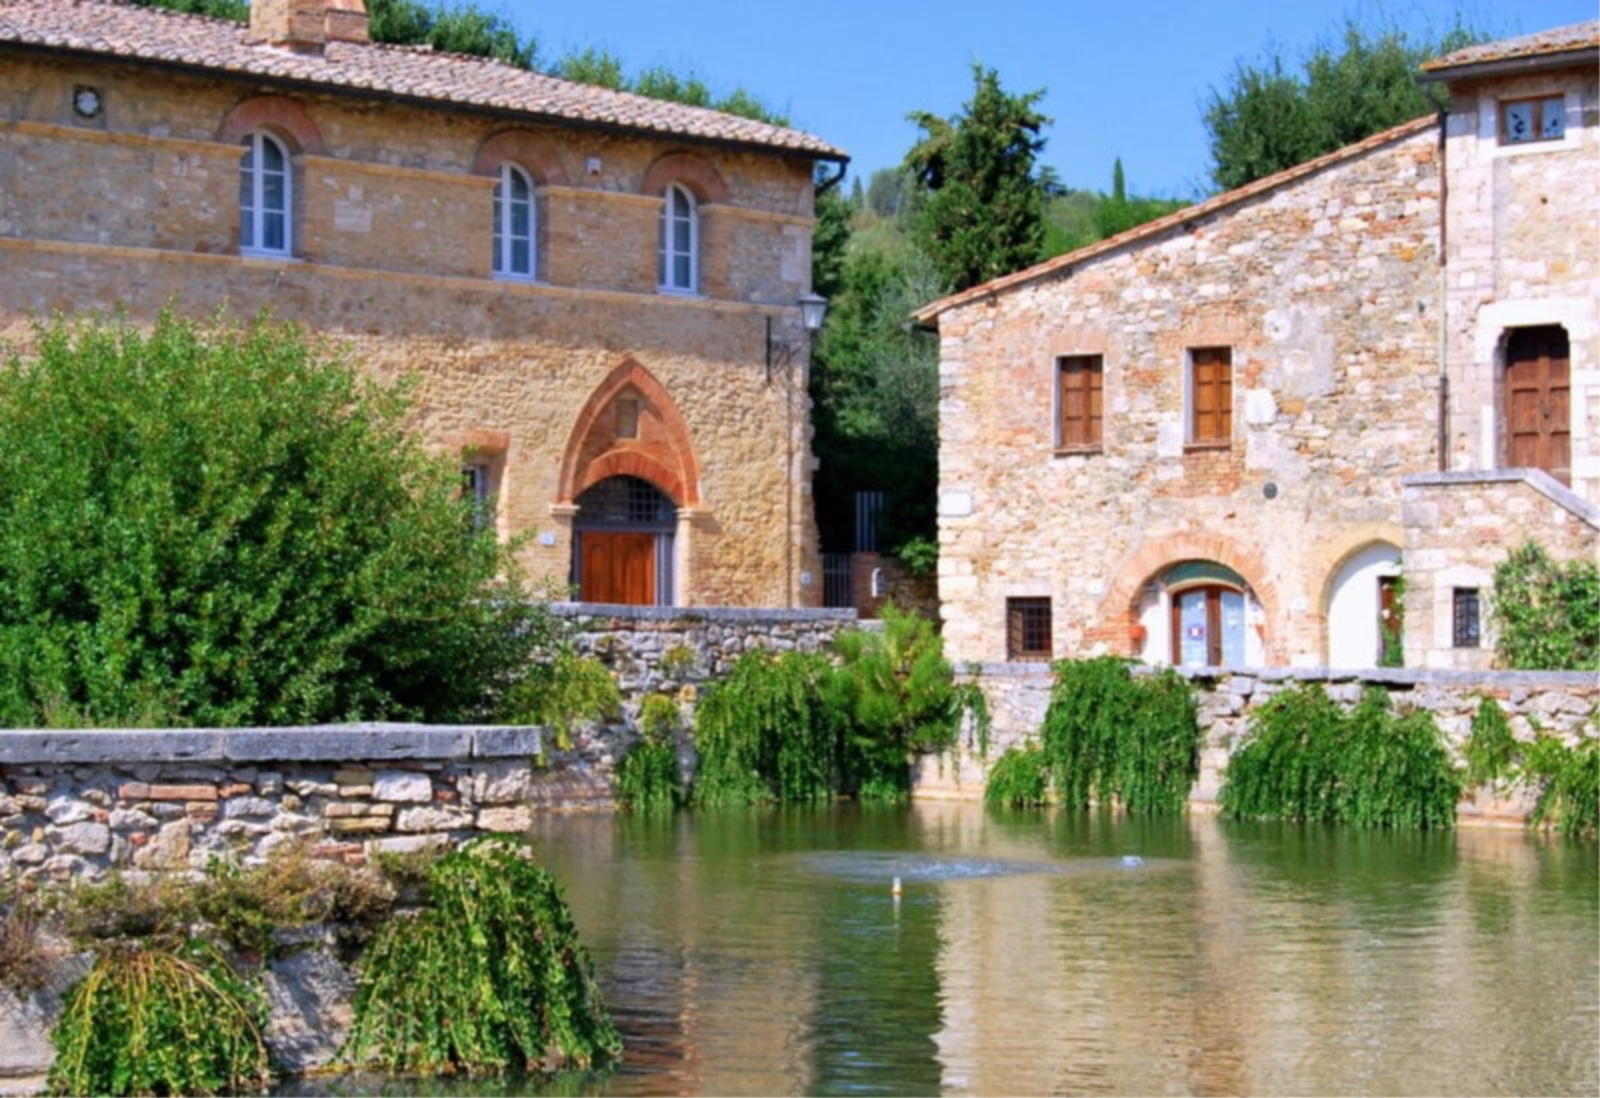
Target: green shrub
1569, 784
1546, 615
1109, 736
226, 526
899, 697
770, 731
648, 777
1019, 778
159, 1021
797, 727
490, 976
1307, 759
1567, 778
1490, 749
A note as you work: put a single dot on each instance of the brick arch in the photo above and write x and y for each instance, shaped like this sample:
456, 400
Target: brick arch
1325, 564
520, 147
669, 463
689, 169
1119, 608
282, 116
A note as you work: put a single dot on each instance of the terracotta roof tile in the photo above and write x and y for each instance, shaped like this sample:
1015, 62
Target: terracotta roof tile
114, 29
929, 313
1578, 36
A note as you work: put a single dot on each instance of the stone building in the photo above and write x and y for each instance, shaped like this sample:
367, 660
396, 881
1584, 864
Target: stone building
597, 293
1297, 423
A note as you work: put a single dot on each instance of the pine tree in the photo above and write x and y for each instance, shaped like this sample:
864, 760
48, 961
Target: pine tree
983, 216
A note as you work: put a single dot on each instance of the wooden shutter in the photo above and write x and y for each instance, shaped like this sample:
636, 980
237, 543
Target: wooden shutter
1082, 401
1211, 395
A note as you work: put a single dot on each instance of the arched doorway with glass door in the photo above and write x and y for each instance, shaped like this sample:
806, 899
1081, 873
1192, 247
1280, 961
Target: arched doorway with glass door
1199, 613
622, 544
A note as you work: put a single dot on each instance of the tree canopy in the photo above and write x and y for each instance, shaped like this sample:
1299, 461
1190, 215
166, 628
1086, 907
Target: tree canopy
983, 215
1271, 116
225, 526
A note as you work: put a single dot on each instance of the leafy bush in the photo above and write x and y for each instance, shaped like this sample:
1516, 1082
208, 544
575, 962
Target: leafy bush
1569, 784
160, 1021
1546, 615
1019, 778
1307, 759
795, 727
647, 776
770, 731
1567, 777
490, 976
225, 526
899, 697
1109, 736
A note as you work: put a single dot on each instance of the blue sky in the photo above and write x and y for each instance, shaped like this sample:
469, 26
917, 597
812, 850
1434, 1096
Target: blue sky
1122, 79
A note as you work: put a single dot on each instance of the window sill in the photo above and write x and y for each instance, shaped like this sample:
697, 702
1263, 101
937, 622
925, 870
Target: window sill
515, 279
676, 291
1078, 451
1207, 446
258, 253
1031, 657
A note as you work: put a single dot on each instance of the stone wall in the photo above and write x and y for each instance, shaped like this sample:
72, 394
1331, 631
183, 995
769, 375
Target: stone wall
1459, 527
1321, 282
1521, 253
80, 802
1563, 703
138, 209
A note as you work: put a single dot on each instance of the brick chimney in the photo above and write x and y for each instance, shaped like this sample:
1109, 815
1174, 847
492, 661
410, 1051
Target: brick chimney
307, 25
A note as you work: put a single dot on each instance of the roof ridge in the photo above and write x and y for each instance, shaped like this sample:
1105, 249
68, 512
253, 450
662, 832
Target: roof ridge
1201, 209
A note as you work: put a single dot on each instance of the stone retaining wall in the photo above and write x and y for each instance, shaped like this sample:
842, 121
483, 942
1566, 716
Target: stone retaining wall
79, 802
674, 651
1564, 703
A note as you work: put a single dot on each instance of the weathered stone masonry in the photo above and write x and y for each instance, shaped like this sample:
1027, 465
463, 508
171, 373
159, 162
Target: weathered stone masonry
80, 802
1566, 704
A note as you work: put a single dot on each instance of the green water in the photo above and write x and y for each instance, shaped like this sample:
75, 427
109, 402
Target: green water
764, 952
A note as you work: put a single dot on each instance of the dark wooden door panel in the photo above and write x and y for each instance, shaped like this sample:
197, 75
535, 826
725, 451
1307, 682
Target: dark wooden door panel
1538, 401
618, 567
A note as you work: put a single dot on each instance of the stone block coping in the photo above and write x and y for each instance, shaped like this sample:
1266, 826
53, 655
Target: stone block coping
1536, 479
707, 614
1394, 676
371, 742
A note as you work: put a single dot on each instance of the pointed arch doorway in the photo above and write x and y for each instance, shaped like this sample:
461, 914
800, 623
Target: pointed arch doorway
623, 542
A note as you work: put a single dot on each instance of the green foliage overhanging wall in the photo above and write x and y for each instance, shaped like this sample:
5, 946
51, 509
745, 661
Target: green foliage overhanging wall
1566, 777
1110, 736
797, 726
1305, 758
223, 525
489, 977
1546, 615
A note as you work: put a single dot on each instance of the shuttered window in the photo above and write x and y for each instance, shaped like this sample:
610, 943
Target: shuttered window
1211, 396
1081, 384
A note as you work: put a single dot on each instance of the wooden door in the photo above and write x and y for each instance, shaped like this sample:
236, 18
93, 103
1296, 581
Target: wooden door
618, 567
1538, 402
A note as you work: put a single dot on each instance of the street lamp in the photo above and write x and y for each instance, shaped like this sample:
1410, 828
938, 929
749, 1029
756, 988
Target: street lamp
781, 352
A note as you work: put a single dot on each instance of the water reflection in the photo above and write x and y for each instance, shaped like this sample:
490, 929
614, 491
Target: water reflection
764, 952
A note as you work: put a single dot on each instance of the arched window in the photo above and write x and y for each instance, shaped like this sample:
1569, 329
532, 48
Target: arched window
515, 256
265, 221
680, 241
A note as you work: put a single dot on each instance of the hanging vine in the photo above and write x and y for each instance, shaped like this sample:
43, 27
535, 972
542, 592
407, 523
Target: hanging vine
1305, 758
1111, 737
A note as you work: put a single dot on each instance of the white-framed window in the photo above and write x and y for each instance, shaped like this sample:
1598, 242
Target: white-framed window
515, 226
679, 269
1539, 119
265, 197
